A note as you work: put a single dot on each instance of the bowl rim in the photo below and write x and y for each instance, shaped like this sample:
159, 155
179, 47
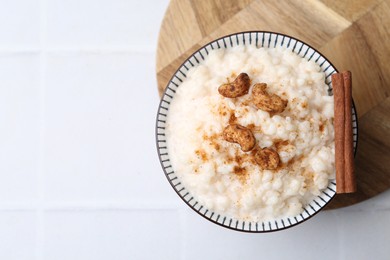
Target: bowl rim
160, 155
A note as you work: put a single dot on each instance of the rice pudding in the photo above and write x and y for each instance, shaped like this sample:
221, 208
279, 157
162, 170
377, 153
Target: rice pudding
217, 172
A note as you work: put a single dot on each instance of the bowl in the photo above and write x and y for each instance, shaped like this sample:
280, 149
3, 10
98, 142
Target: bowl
260, 39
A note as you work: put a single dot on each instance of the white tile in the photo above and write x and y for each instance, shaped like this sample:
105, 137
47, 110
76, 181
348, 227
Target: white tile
104, 22
365, 235
100, 119
112, 235
18, 235
19, 126
19, 23
317, 236
381, 201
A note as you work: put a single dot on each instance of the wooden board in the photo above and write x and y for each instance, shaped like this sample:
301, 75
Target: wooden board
355, 38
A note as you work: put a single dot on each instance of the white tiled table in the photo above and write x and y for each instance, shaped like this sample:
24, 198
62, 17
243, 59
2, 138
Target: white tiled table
79, 174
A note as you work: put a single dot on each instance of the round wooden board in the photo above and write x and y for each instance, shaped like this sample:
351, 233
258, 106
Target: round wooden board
355, 38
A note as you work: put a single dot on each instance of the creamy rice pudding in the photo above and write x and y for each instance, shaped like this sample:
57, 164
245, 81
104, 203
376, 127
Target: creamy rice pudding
219, 173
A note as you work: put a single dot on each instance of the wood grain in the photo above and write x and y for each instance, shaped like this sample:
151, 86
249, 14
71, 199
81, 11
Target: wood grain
353, 34
294, 18
209, 15
352, 9
350, 51
178, 38
375, 29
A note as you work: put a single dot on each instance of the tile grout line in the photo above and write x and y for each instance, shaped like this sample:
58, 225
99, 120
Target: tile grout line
40, 225
130, 49
93, 205
87, 206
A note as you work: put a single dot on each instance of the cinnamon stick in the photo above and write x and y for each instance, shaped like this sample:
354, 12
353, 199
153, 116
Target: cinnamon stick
339, 118
342, 91
349, 175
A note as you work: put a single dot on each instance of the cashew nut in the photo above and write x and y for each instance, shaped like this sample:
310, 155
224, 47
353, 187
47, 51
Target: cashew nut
237, 88
267, 158
268, 102
241, 135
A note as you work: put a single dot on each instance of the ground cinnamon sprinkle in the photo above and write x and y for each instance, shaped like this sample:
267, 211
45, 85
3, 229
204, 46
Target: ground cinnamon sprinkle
295, 161
223, 110
213, 141
247, 102
232, 118
240, 159
251, 126
239, 170
254, 128
280, 143
321, 127
202, 154
233, 75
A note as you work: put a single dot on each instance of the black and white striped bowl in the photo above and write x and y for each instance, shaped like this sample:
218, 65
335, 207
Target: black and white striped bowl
260, 39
